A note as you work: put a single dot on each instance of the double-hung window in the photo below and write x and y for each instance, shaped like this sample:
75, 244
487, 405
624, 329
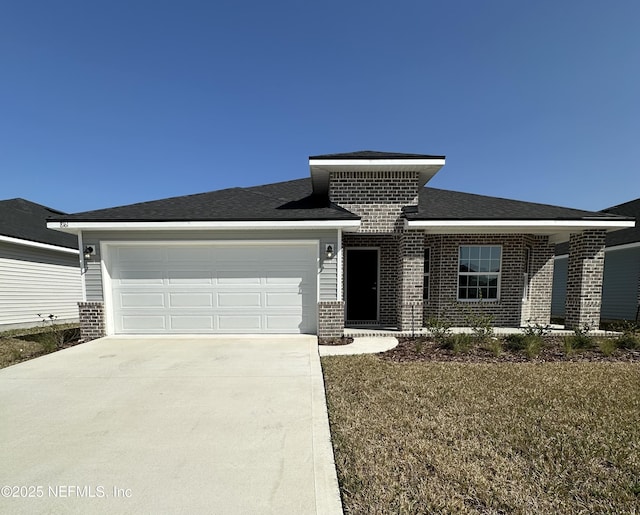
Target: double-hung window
479, 272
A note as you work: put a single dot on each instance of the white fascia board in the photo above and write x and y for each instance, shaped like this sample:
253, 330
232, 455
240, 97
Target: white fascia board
199, 225
375, 162
542, 225
28, 243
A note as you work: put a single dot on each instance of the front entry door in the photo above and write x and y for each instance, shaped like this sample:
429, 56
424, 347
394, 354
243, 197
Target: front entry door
362, 285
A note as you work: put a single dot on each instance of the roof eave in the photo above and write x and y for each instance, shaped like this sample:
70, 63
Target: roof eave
239, 225
557, 229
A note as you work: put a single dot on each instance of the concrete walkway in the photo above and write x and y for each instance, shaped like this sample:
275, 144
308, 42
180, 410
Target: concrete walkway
168, 425
364, 345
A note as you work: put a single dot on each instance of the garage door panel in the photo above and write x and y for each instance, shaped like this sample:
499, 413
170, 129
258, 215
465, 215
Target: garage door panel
143, 323
189, 254
140, 254
141, 277
190, 277
239, 300
236, 278
214, 288
279, 323
283, 299
190, 300
142, 300
231, 323
191, 323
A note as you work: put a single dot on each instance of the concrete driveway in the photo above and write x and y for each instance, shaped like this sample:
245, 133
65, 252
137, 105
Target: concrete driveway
168, 425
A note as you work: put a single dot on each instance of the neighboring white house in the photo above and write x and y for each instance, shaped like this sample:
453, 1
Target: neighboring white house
621, 279
39, 268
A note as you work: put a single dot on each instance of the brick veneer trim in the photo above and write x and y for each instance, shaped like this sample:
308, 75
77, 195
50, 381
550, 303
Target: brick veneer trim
330, 319
92, 324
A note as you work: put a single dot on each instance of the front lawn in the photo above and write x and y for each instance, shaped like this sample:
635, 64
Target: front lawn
448, 437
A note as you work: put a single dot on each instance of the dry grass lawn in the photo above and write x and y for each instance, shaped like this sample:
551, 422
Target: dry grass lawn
485, 438
23, 344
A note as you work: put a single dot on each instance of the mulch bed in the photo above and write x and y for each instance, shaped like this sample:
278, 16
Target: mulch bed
425, 349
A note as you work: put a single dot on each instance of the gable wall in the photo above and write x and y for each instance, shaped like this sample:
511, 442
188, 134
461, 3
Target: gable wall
378, 197
33, 281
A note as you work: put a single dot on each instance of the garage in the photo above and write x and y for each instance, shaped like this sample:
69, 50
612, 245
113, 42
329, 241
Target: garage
229, 287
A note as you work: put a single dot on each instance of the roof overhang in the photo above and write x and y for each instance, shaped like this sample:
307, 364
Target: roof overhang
321, 168
240, 225
37, 244
557, 230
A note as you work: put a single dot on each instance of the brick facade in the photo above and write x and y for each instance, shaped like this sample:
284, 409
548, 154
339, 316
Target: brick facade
536, 307
92, 324
378, 197
410, 275
507, 310
584, 279
330, 319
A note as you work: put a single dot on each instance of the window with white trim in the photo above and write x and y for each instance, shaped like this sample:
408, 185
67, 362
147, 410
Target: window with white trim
425, 275
479, 272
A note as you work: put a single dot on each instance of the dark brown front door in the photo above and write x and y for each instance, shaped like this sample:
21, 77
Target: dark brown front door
362, 285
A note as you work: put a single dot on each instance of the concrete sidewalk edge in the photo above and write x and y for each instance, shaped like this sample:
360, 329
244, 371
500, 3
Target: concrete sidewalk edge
326, 479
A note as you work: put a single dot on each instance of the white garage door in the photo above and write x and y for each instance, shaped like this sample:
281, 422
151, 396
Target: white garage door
213, 288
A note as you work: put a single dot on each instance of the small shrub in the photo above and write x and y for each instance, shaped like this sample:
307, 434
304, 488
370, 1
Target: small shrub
580, 339
536, 329
494, 346
607, 345
460, 343
481, 325
567, 345
630, 337
54, 336
439, 327
529, 343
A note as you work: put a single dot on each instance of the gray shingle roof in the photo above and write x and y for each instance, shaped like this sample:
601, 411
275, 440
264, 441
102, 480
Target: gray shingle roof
283, 201
373, 154
622, 237
437, 204
20, 218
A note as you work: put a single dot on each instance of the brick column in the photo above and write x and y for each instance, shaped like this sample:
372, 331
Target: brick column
584, 279
537, 307
410, 274
330, 319
91, 320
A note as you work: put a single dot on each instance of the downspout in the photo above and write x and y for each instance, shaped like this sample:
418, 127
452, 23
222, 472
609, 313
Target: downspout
339, 265
83, 269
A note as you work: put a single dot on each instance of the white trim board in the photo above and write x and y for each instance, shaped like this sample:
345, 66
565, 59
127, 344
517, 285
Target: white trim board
73, 227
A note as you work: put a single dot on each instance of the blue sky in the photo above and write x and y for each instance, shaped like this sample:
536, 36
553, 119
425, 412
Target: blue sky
105, 103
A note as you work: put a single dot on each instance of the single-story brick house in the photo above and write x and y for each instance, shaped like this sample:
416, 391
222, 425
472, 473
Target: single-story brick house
621, 277
39, 268
360, 242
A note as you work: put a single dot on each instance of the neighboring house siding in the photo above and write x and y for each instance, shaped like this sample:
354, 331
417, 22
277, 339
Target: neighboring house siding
559, 295
36, 281
619, 285
328, 281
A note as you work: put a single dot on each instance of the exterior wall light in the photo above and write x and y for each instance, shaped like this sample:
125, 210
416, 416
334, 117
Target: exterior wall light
88, 252
329, 251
